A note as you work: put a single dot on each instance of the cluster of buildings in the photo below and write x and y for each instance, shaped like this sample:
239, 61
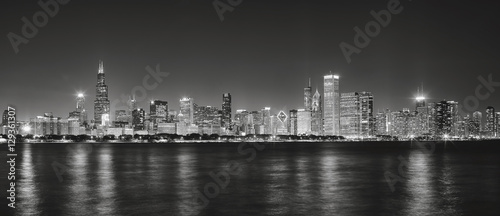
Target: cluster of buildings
332, 113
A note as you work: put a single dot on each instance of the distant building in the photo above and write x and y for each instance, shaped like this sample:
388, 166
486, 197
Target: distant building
303, 122
266, 120
138, 119
101, 103
446, 116
293, 123
49, 125
5, 117
158, 111
476, 124
317, 114
226, 110
356, 114
331, 111
308, 97
491, 124
497, 115
187, 111
382, 123
80, 108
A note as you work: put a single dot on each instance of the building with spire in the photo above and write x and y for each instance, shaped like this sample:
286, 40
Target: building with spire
317, 114
101, 103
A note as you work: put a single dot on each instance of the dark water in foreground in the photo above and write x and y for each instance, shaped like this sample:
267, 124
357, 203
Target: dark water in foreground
280, 179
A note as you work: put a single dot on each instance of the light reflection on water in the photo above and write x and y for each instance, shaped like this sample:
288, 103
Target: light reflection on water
288, 179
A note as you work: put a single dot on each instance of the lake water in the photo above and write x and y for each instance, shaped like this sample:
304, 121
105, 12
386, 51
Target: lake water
255, 179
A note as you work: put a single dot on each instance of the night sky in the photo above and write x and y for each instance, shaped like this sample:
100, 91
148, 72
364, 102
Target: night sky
262, 53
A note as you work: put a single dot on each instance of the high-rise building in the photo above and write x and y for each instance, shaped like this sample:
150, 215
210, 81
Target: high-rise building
366, 109
308, 97
101, 103
356, 114
446, 113
422, 116
5, 117
331, 111
292, 126
303, 122
132, 104
242, 121
317, 114
491, 124
226, 110
80, 107
158, 111
187, 111
138, 119
350, 115
382, 123
266, 119
476, 124
497, 114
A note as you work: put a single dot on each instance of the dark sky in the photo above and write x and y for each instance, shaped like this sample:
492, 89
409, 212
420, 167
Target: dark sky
262, 53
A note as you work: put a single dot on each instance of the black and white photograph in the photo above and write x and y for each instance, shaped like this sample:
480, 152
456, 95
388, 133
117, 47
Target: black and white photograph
249, 107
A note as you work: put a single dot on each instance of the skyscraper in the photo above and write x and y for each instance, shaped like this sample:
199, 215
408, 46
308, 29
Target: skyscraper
350, 115
80, 108
292, 126
5, 117
226, 110
307, 97
366, 109
266, 119
101, 103
158, 111
138, 119
446, 113
187, 111
476, 124
491, 125
317, 114
303, 122
497, 114
356, 114
331, 109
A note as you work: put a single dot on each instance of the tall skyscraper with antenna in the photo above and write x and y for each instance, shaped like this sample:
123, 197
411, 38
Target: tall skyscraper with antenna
101, 103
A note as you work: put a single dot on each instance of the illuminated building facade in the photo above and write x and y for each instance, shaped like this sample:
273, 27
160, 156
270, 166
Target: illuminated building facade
303, 122
446, 116
308, 97
292, 125
317, 114
101, 103
187, 111
490, 128
331, 111
139, 119
226, 110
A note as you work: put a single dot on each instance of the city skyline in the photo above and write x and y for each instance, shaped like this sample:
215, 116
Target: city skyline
263, 68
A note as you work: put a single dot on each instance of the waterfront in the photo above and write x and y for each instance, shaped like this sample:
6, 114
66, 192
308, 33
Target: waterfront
279, 179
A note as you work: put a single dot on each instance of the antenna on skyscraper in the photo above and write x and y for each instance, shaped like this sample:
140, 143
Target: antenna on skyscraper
309, 82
